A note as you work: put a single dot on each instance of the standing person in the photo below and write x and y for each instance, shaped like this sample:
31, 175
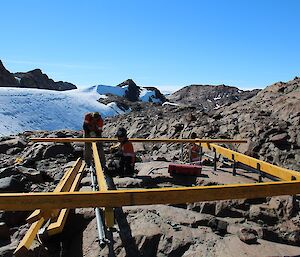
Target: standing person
194, 151
124, 156
92, 126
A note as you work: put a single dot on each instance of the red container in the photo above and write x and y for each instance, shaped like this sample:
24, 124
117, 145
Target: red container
184, 169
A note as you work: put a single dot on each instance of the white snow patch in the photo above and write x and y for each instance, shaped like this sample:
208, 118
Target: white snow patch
18, 79
119, 91
36, 109
148, 96
169, 103
208, 100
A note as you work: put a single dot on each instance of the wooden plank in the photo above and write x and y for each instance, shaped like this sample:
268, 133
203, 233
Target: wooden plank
118, 198
99, 171
149, 140
108, 212
27, 240
58, 226
273, 170
64, 185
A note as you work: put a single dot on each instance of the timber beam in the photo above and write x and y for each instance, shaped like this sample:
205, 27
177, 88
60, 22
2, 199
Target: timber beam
108, 212
270, 169
118, 198
141, 140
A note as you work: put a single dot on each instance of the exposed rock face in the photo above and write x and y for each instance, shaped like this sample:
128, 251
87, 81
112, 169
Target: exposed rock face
132, 92
31, 79
158, 94
210, 97
182, 230
37, 79
269, 120
6, 78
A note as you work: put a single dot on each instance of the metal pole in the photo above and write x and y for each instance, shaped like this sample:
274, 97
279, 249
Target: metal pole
215, 159
100, 227
260, 174
233, 166
200, 154
181, 152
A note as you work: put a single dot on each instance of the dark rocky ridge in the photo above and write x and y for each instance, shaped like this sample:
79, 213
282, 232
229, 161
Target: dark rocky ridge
6, 78
37, 79
31, 79
133, 92
209, 97
269, 121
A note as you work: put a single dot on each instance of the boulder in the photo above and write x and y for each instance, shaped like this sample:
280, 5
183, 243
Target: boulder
11, 185
12, 143
263, 213
4, 231
248, 235
55, 149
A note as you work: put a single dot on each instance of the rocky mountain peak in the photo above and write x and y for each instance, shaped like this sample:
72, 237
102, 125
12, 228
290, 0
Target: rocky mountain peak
6, 78
37, 79
133, 91
210, 96
31, 79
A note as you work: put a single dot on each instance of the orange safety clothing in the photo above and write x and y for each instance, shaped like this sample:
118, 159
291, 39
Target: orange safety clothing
93, 124
195, 153
127, 150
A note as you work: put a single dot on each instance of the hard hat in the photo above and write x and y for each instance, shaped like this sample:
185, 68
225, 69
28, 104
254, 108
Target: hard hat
122, 132
96, 115
193, 135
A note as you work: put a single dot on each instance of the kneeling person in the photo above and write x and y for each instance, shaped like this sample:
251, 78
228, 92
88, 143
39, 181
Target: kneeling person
124, 157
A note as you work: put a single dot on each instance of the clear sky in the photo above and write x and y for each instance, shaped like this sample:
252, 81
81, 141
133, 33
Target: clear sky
163, 43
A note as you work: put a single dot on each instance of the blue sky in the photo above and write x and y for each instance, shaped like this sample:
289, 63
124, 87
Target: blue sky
163, 43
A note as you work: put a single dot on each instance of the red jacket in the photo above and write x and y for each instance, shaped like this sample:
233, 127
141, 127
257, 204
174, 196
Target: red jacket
92, 124
127, 150
195, 153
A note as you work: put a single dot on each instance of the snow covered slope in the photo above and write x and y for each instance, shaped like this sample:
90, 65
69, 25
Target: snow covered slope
145, 95
36, 109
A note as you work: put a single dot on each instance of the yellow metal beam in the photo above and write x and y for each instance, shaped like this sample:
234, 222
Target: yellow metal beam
118, 198
57, 226
27, 240
108, 212
99, 171
150, 140
64, 185
273, 170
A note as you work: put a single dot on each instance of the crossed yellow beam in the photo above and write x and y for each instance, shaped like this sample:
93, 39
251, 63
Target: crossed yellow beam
118, 198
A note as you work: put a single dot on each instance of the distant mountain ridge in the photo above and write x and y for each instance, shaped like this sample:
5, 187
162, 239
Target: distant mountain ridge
210, 97
31, 79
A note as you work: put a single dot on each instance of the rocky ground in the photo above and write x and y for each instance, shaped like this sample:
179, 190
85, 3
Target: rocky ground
269, 120
260, 227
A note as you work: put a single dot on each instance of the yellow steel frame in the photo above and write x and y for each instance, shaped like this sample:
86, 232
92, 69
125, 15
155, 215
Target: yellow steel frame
69, 182
118, 198
27, 240
109, 212
275, 171
64, 185
138, 140
57, 226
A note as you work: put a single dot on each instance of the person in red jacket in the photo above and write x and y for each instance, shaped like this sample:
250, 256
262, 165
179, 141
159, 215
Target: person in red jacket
92, 126
124, 155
